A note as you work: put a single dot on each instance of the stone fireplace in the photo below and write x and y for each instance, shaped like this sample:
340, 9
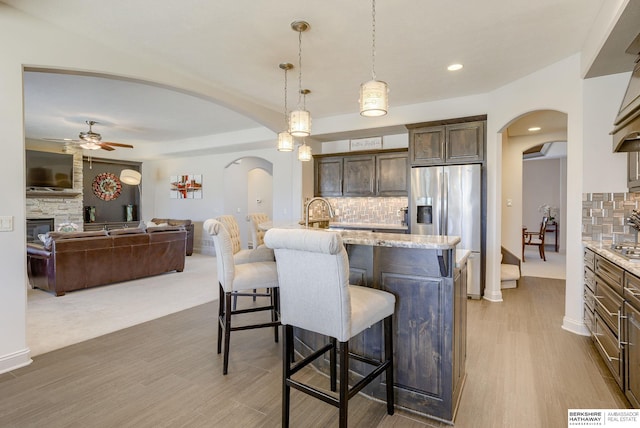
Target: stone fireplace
36, 226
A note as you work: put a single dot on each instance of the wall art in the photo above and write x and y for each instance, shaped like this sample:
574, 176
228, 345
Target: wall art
185, 186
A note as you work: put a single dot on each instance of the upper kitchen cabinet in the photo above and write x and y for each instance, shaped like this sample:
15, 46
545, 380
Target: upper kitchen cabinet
392, 169
361, 174
452, 141
328, 176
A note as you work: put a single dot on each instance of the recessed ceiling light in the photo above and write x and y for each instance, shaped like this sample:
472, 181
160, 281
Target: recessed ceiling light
534, 129
454, 67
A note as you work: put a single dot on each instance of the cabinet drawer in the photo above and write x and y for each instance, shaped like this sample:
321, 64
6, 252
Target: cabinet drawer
632, 356
608, 305
589, 258
609, 272
589, 300
632, 289
589, 319
607, 344
590, 280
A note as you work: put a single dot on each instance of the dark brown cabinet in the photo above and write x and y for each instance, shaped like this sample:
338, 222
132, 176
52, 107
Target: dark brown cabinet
328, 176
447, 143
392, 170
633, 171
359, 175
362, 174
430, 325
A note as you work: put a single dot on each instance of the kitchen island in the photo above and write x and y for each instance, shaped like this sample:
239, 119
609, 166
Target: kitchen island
428, 277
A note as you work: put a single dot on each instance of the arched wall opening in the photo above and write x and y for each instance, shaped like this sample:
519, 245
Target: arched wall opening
248, 184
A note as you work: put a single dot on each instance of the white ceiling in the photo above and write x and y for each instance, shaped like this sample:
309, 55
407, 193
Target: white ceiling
237, 45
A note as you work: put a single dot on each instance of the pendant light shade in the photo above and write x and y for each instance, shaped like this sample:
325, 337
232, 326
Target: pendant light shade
285, 142
304, 153
374, 100
374, 94
300, 123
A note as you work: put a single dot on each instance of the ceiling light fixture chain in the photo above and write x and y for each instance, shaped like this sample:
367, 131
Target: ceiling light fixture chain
300, 119
373, 39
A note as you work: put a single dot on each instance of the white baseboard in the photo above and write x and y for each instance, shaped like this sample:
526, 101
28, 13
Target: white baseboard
15, 360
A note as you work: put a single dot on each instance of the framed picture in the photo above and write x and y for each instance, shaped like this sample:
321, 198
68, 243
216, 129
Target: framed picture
188, 186
371, 143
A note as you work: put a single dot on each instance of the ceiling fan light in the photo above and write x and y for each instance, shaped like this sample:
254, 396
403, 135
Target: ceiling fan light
374, 99
300, 123
90, 145
285, 142
130, 176
304, 153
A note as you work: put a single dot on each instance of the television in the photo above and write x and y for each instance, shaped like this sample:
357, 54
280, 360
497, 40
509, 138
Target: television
48, 170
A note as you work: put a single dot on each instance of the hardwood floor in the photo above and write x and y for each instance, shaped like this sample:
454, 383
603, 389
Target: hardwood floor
523, 370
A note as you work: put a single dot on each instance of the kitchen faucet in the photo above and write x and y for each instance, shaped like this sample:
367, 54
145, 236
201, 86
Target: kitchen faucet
308, 204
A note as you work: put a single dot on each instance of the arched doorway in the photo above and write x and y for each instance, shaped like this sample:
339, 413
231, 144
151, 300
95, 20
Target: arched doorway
534, 174
248, 188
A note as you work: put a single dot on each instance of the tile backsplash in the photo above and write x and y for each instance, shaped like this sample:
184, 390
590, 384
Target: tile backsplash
363, 210
604, 216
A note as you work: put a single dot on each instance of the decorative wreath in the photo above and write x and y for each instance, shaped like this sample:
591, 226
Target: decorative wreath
107, 186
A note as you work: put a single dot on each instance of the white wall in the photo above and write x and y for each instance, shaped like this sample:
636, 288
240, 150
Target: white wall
543, 183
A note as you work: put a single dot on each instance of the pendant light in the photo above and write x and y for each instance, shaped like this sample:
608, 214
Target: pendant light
374, 94
300, 119
304, 152
285, 139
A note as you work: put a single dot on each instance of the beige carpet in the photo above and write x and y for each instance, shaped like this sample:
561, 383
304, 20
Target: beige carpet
554, 267
56, 322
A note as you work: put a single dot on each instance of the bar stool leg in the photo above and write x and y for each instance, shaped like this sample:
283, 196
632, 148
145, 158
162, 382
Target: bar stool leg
344, 384
388, 354
287, 351
227, 331
220, 318
332, 363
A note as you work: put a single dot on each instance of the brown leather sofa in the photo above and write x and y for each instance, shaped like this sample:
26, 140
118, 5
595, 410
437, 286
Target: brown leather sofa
188, 226
72, 261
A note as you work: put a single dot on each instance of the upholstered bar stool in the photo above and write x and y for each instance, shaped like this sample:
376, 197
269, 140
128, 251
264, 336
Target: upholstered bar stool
234, 277
315, 295
241, 256
257, 234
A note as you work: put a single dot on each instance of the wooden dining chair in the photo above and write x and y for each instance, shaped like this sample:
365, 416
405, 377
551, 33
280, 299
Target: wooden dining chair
536, 239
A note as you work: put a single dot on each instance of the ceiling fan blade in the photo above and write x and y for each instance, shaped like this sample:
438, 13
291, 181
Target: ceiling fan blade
60, 140
109, 143
103, 147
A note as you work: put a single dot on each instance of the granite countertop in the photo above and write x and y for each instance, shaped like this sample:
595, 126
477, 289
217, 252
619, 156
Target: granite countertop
387, 226
604, 249
461, 256
380, 239
399, 240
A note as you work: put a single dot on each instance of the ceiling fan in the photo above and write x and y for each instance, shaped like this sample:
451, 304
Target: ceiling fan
92, 140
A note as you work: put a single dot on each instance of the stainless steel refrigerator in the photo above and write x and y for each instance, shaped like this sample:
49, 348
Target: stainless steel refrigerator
447, 200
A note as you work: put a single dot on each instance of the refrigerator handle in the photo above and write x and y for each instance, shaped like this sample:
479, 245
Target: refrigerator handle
445, 204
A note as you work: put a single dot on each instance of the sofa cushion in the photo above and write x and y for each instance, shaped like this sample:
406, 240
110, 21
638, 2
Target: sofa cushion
49, 237
126, 231
164, 229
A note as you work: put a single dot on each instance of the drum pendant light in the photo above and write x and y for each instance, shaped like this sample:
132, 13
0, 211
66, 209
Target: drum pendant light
300, 119
285, 139
374, 94
304, 152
